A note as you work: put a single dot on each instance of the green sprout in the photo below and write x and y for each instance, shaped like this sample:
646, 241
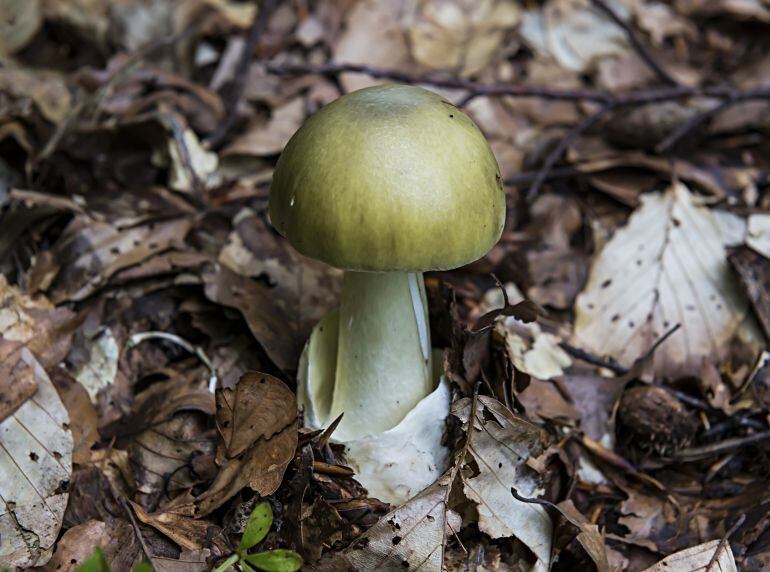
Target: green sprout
257, 527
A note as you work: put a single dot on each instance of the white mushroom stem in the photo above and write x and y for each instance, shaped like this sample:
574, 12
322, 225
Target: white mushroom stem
383, 356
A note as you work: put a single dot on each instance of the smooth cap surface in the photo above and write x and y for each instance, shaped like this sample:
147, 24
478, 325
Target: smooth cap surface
389, 178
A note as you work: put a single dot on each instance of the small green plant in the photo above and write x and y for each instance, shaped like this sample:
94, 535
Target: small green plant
98, 563
257, 527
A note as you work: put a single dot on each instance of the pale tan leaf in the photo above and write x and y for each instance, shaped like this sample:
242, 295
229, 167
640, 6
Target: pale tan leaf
667, 266
269, 138
500, 444
35, 469
411, 536
697, 558
758, 233
531, 350
574, 33
19, 22
98, 368
373, 35
462, 36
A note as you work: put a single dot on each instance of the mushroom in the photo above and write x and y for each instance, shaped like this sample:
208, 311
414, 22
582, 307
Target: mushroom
385, 183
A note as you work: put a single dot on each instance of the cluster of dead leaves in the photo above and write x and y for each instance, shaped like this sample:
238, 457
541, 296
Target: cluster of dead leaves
141, 271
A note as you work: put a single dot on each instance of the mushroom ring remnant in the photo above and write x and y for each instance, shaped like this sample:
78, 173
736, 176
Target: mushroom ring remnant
386, 183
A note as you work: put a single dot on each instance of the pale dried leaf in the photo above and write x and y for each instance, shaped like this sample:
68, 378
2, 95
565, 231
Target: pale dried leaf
411, 536
697, 558
19, 22
461, 36
17, 377
269, 138
758, 234
35, 469
100, 366
574, 33
115, 538
501, 468
531, 350
666, 267
373, 35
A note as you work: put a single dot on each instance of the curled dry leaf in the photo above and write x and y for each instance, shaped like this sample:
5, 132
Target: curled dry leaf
258, 424
574, 33
91, 252
269, 138
188, 533
533, 351
667, 266
169, 434
501, 468
758, 234
19, 22
698, 558
412, 536
115, 538
281, 314
35, 470
17, 377
460, 36
95, 364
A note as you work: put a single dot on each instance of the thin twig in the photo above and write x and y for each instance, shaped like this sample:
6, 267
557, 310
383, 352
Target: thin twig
632, 98
723, 541
636, 43
137, 531
587, 357
683, 130
258, 27
557, 152
695, 453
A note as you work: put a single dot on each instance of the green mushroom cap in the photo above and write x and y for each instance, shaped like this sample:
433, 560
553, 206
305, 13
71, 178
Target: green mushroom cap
389, 178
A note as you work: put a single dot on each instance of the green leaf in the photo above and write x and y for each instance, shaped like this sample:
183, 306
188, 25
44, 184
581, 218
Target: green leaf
95, 563
275, 560
246, 567
257, 527
228, 563
143, 567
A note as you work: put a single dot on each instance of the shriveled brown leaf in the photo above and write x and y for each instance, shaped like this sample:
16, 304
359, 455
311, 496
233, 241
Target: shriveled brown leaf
17, 377
84, 420
115, 538
258, 427
188, 533
91, 252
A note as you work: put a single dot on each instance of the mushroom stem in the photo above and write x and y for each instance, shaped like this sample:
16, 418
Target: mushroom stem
383, 357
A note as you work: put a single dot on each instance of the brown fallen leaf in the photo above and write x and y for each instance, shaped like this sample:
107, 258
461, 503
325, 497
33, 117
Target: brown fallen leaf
17, 377
84, 419
114, 537
91, 252
188, 533
258, 425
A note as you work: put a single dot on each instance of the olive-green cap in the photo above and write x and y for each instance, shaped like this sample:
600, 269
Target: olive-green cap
389, 178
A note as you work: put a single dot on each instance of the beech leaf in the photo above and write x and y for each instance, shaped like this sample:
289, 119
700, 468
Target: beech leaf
667, 266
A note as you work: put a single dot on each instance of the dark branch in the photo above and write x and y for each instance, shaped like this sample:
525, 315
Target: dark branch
258, 26
568, 139
638, 46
